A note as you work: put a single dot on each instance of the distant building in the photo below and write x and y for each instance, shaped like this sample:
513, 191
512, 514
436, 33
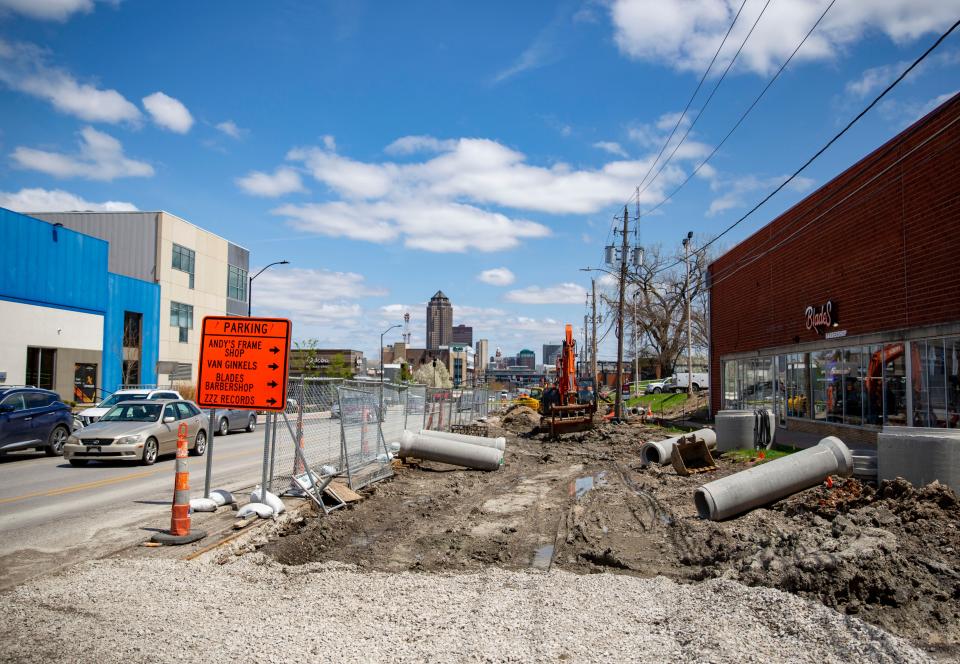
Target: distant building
527, 358
439, 321
463, 334
199, 274
550, 353
482, 358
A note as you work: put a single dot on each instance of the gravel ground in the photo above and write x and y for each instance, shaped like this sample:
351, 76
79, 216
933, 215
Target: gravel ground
254, 609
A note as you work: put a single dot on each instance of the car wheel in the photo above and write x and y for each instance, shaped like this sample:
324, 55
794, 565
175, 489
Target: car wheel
150, 450
657, 390
200, 445
56, 441
78, 462
224, 427
696, 388
252, 424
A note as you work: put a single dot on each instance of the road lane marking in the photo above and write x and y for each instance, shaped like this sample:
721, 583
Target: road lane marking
108, 480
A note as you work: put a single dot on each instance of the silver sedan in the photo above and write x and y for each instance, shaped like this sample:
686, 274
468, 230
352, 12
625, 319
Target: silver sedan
140, 431
231, 419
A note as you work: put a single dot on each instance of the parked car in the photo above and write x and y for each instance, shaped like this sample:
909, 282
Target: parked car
138, 430
33, 418
662, 385
231, 419
90, 415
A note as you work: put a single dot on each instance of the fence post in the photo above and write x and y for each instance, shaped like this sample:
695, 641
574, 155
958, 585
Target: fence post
266, 461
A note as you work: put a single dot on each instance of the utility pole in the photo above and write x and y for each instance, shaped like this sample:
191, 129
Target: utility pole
618, 404
593, 335
636, 360
686, 295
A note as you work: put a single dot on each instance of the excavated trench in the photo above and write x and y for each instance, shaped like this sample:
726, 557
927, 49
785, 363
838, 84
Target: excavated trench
584, 504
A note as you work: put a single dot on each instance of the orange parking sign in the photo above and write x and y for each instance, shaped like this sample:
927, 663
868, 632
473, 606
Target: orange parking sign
243, 363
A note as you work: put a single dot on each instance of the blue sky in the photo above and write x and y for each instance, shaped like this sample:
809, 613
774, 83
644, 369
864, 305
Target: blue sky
388, 150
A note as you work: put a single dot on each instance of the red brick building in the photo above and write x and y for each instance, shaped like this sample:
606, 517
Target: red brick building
843, 313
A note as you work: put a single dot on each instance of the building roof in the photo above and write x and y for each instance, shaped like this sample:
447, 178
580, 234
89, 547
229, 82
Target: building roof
439, 296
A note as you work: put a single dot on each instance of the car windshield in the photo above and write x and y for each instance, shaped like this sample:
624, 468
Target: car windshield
134, 412
114, 399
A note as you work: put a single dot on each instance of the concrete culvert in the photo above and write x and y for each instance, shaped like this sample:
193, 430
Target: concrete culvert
771, 481
658, 451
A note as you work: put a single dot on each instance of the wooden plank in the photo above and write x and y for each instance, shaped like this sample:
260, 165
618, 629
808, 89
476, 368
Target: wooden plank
342, 492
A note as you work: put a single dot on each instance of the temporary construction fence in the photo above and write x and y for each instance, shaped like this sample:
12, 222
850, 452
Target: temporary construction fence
345, 428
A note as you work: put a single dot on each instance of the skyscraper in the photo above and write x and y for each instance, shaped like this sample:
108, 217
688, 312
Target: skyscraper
439, 321
463, 334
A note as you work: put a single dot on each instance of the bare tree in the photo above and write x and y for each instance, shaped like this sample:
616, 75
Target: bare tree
657, 288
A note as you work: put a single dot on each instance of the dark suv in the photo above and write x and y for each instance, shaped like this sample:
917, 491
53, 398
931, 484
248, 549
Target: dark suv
31, 417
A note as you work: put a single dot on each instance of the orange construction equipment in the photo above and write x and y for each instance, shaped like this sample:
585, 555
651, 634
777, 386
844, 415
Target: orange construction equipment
180, 513
561, 407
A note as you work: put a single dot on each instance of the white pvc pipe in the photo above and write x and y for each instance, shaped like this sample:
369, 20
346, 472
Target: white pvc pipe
659, 451
773, 480
431, 448
499, 443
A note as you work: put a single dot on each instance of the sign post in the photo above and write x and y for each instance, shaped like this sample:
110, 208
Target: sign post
244, 364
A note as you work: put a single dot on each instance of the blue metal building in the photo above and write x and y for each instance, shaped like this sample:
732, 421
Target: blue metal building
70, 324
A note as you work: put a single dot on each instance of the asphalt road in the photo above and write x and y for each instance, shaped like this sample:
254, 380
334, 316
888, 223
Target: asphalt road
52, 512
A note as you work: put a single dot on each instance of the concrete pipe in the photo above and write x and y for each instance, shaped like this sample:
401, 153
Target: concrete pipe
431, 448
734, 429
919, 455
773, 480
658, 451
499, 443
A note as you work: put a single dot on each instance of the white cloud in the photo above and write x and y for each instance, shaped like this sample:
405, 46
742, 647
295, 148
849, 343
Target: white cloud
497, 276
57, 200
414, 144
565, 293
326, 301
283, 181
439, 226
543, 50
611, 147
736, 189
903, 113
23, 68
100, 158
875, 78
440, 202
684, 34
230, 128
47, 10
168, 112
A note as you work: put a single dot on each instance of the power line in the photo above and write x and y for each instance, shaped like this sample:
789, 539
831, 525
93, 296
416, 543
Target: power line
837, 136
736, 267
833, 140
744, 115
693, 96
709, 97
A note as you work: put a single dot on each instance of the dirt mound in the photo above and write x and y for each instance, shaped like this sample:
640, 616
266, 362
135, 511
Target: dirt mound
889, 555
520, 419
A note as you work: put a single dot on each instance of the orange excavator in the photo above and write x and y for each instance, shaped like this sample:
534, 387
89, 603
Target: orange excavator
561, 408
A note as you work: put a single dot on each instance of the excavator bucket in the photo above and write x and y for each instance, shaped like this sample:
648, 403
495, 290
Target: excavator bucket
568, 419
691, 455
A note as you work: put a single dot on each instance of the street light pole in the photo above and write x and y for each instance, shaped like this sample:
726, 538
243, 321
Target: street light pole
250, 285
381, 367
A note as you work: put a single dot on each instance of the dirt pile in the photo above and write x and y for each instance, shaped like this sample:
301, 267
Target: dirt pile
520, 419
583, 503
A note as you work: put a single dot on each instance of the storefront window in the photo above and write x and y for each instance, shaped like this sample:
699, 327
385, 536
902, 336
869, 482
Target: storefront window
797, 386
952, 369
930, 384
730, 384
894, 385
851, 371
873, 386
822, 364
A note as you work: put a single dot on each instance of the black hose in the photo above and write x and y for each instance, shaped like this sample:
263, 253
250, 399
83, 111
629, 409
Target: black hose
762, 436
